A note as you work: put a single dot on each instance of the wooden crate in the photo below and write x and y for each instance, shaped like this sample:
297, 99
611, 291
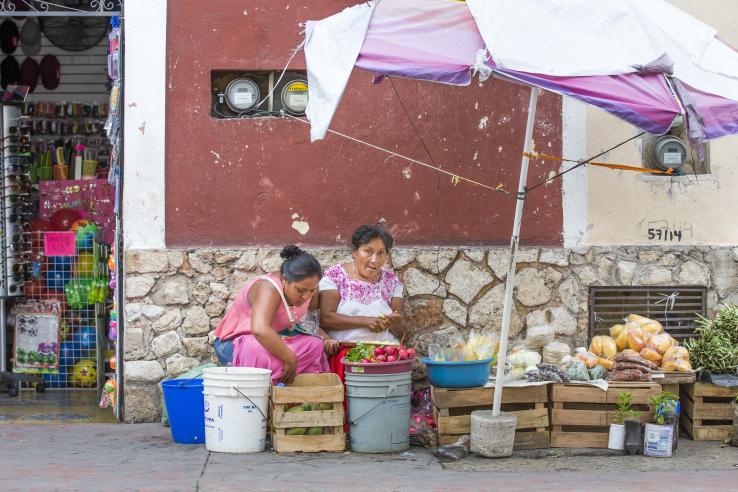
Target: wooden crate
313, 389
581, 414
707, 411
673, 380
453, 408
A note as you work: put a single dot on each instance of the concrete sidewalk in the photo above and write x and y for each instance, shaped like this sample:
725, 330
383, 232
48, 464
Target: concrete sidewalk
111, 457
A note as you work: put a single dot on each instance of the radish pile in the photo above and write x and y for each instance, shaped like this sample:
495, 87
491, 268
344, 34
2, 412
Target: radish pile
366, 353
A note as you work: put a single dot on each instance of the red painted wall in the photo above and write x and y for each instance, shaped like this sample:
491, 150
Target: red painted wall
239, 182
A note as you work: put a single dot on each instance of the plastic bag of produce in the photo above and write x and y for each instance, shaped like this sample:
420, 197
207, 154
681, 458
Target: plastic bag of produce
646, 324
481, 345
660, 343
588, 358
676, 359
524, 359
575, 370
597, 372
603, 346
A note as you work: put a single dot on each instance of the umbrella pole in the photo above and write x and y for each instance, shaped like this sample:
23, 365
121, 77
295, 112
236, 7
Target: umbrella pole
510, 283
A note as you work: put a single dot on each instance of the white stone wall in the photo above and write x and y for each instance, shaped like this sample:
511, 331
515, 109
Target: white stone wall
176, 298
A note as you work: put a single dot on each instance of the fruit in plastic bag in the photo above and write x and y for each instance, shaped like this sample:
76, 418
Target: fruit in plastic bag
647, 324
651, 354
575, 370
603, 346
660, 343
606, 363
588, 358
621, 342
676, 359
615, 330
636, 341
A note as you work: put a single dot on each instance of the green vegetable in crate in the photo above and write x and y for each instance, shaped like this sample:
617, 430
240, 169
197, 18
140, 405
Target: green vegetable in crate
305, 407
324, 406
315, 431
296, 431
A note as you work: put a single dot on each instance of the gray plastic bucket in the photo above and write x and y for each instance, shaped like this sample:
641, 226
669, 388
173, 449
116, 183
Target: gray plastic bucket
379, 411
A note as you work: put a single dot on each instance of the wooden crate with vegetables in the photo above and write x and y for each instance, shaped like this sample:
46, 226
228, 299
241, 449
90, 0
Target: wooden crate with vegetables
708, 410
453, 408
581, 414
308, 415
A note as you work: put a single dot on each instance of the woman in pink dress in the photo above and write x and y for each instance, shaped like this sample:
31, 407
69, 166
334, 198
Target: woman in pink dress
273, 325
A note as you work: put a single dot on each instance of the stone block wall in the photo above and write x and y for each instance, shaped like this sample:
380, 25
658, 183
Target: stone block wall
175, 298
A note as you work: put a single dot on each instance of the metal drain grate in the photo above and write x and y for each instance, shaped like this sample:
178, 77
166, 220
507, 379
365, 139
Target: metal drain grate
609, 305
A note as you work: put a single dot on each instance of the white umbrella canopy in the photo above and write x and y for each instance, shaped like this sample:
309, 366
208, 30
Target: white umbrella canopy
643, 60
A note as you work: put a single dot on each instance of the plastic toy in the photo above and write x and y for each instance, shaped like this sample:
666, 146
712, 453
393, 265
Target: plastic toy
84, 373
110, 389
85, 337
85, 265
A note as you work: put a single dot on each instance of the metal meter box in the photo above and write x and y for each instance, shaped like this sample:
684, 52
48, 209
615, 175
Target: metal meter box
669, 152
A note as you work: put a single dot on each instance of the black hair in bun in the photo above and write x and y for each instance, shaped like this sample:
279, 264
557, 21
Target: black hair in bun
298, 264
289, 252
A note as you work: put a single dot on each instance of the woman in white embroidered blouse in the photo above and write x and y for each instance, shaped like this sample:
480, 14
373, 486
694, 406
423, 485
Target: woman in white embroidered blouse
359, 300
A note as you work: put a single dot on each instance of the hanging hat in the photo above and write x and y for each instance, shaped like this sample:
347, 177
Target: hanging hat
30, 38
9, 71
29, 72
8, 36
50, 72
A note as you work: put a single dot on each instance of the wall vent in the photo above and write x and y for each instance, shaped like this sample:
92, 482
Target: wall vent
609, 305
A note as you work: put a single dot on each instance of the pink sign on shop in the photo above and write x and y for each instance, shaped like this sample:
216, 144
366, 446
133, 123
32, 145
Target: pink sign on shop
59, 243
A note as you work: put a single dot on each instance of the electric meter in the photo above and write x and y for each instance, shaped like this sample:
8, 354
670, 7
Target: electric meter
669, 152
295, 97
242, 94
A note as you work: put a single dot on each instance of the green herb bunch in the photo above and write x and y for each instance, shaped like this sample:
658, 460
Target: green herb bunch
716, 347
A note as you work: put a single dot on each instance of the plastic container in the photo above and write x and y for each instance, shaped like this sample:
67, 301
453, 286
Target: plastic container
616, 438
464, 374
397, 367
236, 403
184, 403
657, 440
379, 409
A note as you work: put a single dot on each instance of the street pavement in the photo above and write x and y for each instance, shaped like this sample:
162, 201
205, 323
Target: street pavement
142, 457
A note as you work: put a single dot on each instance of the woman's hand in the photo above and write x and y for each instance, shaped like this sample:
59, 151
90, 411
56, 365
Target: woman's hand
378, 325
330, 346
394, 322
289, 368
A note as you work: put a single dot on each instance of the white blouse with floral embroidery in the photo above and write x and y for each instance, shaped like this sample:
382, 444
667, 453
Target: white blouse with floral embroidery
359, 298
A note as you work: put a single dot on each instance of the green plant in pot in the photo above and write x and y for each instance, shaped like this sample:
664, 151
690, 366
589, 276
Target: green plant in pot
624, 413
661, 435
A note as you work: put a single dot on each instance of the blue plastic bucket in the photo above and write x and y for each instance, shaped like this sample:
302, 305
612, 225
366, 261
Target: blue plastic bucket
463, 374
186, 410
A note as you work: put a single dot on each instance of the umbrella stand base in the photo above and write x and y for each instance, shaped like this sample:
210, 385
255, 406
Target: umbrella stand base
492, 436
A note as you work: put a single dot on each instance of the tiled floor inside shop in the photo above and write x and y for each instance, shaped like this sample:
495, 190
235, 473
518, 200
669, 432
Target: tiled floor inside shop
53, 406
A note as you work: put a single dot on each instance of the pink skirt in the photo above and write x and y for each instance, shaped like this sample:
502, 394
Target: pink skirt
311, 359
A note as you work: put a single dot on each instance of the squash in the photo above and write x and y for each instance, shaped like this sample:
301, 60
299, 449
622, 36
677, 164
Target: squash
606, 363
621, 342
660, 342
596, 345
609, 348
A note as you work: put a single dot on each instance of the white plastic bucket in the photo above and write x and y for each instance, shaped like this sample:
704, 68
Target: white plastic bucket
236, 408
657, 440
616, 439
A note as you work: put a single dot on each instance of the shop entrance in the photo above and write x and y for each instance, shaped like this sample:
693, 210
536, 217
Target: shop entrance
61, 182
